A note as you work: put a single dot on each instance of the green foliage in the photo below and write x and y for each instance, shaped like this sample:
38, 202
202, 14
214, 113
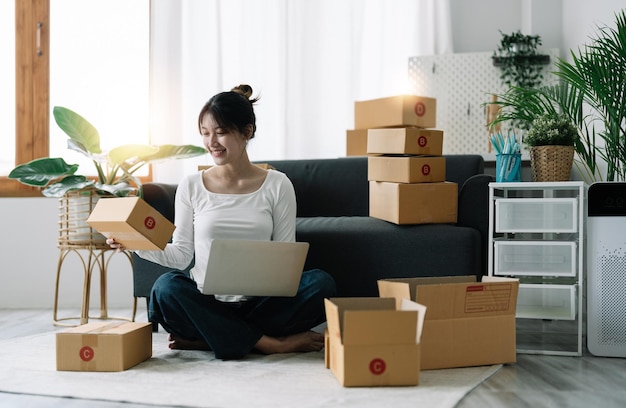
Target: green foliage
115, 170
518, 60
592, 94
550, 129
598, 72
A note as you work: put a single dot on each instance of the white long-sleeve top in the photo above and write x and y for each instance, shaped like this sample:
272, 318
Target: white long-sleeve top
269, 213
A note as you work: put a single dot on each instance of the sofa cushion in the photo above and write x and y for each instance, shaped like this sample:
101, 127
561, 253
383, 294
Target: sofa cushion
339, 187
328, 187
357, 251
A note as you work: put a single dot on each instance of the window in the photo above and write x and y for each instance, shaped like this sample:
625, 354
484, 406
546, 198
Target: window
99, 68
91, 57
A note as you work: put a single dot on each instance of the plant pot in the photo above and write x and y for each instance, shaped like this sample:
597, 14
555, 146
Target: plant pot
74, 209
551, 163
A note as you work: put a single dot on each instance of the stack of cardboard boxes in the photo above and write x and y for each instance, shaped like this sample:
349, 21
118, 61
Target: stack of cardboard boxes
406, 169
436, 323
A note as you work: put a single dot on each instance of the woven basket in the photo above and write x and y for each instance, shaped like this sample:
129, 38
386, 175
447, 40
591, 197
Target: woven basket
74, 209
551, 163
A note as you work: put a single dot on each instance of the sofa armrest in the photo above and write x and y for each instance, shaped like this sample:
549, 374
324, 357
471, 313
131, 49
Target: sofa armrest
473, 210
161, 196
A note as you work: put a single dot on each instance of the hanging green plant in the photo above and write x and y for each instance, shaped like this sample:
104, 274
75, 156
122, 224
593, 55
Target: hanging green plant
519, 61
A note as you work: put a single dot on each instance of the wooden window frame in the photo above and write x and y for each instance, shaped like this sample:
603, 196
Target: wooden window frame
32, 89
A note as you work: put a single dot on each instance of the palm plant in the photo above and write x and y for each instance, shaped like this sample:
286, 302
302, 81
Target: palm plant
598, 72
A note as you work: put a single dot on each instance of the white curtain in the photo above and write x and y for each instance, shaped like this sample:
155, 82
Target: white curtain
309, 61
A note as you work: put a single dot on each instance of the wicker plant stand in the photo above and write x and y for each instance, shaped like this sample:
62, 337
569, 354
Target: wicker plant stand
551, 163
78, 238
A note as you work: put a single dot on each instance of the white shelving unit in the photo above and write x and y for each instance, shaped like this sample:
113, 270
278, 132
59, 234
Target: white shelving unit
536, 234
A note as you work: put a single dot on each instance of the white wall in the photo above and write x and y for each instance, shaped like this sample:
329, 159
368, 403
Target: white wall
29, 225
30, 256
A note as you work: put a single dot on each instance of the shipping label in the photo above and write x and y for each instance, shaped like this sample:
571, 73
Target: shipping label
487, 298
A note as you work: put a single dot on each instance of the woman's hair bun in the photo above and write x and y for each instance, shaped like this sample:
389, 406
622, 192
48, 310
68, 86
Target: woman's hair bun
243, 89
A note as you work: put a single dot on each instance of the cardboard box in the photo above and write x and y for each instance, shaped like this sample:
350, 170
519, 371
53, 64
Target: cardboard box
103, 346
408, 140
401, 110
371, 342
406, 169
356, 142
468, 323
414, 203
132, 222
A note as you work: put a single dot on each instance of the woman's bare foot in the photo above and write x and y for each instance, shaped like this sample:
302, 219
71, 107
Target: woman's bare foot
179, 343
305, 341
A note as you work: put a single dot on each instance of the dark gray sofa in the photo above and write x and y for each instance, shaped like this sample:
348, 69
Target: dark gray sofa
357, 250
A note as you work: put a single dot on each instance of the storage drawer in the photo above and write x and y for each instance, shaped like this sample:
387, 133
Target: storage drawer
555, 302
535, 258
536, 215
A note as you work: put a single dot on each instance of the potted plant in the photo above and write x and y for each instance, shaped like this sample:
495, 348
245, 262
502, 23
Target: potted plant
115, 169
551, 140
78, 193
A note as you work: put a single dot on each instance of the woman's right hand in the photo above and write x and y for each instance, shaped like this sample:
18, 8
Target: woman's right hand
115, 245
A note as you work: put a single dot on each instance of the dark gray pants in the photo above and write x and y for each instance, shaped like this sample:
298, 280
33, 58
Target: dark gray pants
232, 329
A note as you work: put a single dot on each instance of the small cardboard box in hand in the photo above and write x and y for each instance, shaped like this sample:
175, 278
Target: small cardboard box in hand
132, 222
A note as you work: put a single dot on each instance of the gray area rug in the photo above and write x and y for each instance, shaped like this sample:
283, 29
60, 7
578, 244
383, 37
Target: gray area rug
197, 379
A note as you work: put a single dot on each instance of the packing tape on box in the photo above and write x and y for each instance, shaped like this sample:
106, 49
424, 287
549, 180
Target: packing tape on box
89, 345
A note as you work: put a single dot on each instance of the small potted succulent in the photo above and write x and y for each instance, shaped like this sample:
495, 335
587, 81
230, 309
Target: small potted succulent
551, 139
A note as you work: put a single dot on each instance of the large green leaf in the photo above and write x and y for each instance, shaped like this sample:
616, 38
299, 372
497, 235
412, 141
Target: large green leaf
40, 172
170, 151
77, 128
119, 189
69, 183
132, 157
131, 154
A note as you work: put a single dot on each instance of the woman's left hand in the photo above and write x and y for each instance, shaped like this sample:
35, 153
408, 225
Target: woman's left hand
115, 245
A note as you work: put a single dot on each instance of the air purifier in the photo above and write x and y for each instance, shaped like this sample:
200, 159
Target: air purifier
606, 269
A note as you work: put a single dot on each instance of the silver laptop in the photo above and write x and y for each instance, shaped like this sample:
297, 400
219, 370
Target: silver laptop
254, 267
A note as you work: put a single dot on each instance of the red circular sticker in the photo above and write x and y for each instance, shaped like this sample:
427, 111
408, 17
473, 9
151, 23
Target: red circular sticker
420, 109
377, 366
149, 222
422, 141
426, 169
86, 353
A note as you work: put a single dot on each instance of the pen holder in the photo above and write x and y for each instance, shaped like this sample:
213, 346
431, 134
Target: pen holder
509, 167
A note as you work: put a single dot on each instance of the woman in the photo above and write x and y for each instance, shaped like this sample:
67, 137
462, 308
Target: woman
233, 199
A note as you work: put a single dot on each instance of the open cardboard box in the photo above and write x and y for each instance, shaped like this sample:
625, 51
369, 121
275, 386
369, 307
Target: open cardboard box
103, 346
468, 323
373, 342
132, 222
